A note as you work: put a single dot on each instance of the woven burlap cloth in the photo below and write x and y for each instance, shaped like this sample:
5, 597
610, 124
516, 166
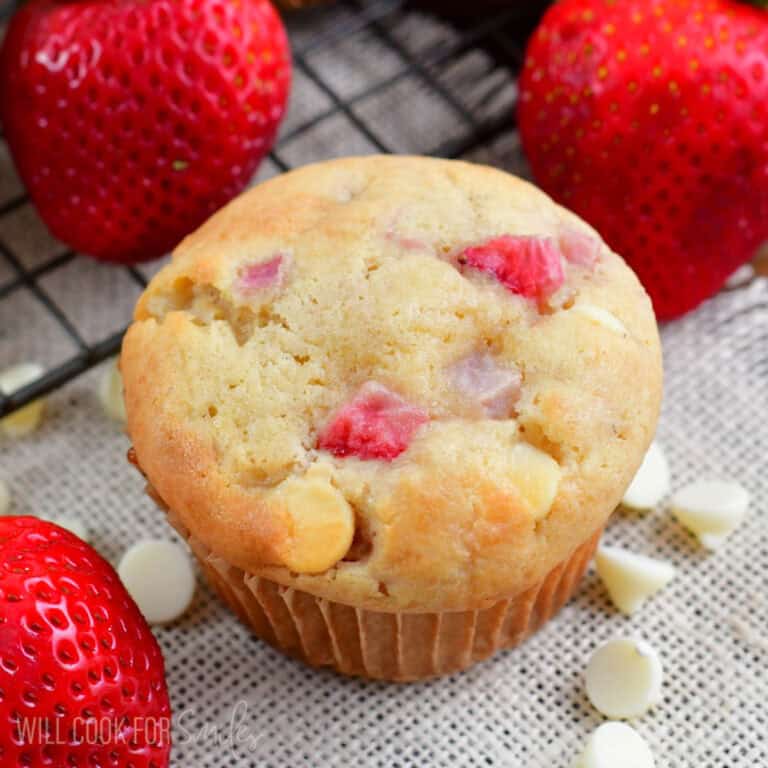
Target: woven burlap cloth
238, 702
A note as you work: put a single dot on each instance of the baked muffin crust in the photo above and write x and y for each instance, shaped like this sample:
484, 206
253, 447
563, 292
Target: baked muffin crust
352, 274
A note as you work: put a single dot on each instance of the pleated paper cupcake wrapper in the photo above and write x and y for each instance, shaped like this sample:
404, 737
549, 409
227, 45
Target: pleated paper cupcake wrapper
398, 646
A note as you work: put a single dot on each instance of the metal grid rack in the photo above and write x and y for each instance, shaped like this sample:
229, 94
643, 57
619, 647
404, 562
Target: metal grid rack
460, 72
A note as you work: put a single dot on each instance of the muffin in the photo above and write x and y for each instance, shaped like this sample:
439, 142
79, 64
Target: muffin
391, 402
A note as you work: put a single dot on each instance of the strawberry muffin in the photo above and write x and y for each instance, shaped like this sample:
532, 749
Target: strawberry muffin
391, 402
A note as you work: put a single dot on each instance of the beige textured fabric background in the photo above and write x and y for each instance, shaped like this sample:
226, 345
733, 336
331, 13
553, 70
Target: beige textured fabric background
526, 707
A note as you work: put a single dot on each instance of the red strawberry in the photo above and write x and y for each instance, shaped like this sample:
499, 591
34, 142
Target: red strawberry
529, 266
650, 119
81, 676
375, 424
131, 122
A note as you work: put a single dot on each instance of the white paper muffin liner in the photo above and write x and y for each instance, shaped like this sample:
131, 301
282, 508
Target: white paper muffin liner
395, 646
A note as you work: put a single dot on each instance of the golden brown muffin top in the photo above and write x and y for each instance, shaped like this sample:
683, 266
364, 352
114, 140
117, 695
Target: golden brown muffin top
398, 382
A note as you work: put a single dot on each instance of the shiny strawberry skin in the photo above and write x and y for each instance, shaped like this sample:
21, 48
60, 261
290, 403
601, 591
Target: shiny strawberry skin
131, 122
75, 654
650, 120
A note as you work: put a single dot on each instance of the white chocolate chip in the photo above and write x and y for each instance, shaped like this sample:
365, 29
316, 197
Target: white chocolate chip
652, 481
712, 541
73, 525
537, 476
5, 498
25, 420
111, 392
712, 509
623, 678
158, 575
615, 745
601, 316
321, 520
741, 277
631, 578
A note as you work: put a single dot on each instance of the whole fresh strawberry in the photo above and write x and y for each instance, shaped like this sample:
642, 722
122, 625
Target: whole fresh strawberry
81, 675
131, 121
650, 119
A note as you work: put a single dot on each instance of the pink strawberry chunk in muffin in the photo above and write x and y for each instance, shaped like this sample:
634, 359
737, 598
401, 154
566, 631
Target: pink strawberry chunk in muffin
265, 274
525, 265
493, 387
579, 249
375, 424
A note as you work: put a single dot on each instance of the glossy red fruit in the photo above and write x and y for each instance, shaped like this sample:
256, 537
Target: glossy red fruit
131, 122
528, 266
650, 119
375, 424
81, 675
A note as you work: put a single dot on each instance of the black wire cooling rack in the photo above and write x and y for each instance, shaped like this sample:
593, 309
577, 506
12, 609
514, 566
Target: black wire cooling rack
464, 65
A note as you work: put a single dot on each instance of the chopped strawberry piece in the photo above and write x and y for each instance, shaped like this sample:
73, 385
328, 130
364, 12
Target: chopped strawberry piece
579, 249
494, 388
375, 424
254, 277
528, 266
407, 243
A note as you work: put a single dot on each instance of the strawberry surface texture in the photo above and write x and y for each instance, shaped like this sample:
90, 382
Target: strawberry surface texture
131, 122
650, 120
81, 676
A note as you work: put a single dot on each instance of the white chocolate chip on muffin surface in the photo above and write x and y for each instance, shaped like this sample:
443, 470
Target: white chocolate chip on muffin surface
322, 522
